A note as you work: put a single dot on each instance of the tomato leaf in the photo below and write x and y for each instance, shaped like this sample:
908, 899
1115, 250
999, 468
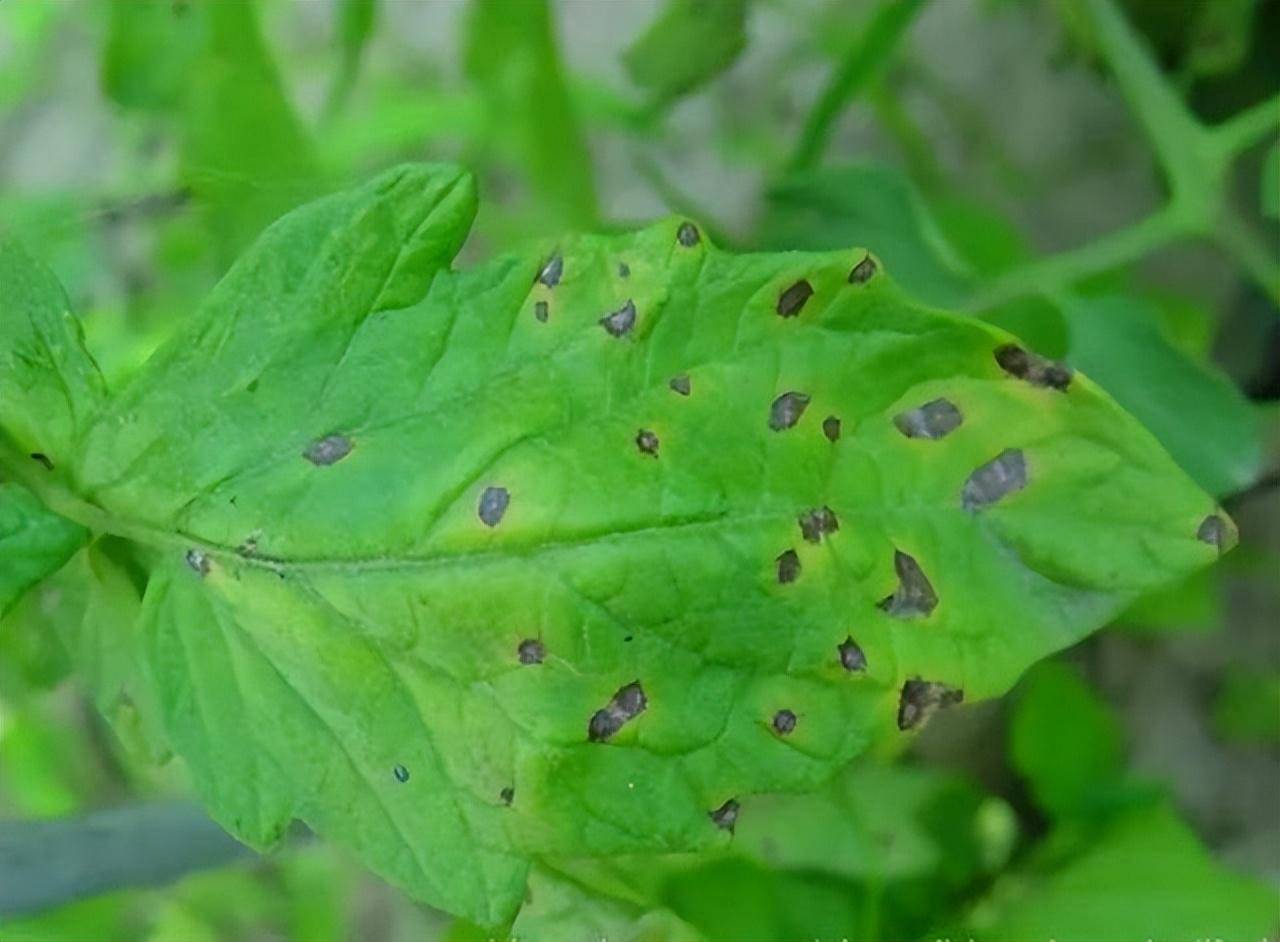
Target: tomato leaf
563, 554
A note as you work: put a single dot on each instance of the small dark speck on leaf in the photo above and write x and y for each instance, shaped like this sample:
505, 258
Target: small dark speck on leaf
493, 504
921, 699
624, 270
817, 523
851, 656
198, 561
1213, 530
681, 384
629, 638
1004, 474
401, 774
647, 442
688, 235
508, 795
787, 409
831, 428
42, 459
625, 705
531, 651
788, 567
792, 300
933, 420
915, 595
541, 310
551, 271
862, 271
1033, 368
784, 721
726, 816
328, 450
620, 322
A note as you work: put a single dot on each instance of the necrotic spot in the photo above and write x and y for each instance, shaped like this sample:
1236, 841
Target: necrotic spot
793, 299
624, 270
198, 561
817, 523
920, 699
831, 428
550, 273
328, 450
493, 504
788, 567
541, 310
784, 721
787, 409
851, 656
647, 442
531, 651
680, 384
933, 420
1033, 368
1213, 530
688, 235
508, 795
620, 321
401, 774
625, 705
42, 459
726, 816
914, 595
862, 271
1004, 474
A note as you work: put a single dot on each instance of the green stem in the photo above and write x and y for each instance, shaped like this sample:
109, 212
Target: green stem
1056, 272
863, 62
1251, 126
1243, 244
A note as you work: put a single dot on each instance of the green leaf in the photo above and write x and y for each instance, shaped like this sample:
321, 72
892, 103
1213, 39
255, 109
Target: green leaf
1195, 410
689, 44
33, 542
1148, 877
1065, 741
1270, 189
356, 20
511, 55
471, 569
560, 908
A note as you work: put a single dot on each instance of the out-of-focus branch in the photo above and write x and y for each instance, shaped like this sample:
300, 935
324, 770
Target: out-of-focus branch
49, 863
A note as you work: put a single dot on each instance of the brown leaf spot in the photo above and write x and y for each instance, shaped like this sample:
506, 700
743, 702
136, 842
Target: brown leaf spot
625, 705
921, 699
831, 428
788, 566
647, 442
328, 450
852, 657
620, 322
1004, 474
784, 721
688, 235
542, 311
915, 595
1033, 368
551, 271
863, 271
681, 384
817, 523
531, 651
933, 420
726, 816
786, 410
493, 504
793, 299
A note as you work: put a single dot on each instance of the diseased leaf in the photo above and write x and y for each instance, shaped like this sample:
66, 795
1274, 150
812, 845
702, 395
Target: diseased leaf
34, 542
368, 489
690, 43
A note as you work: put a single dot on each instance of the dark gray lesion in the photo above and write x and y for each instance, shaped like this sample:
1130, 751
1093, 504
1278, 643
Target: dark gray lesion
863, 271
531, 651
508, 795
542, 311
852, 657
920, 699
688, 235
726, 816
551, 270
1032, 368
40, 458
624, 706
788, 566
647, 442
1213, 530
681, 384
831, 428
493, 504
328, 450
935, 419
791, 301
787, 409
784, 722
198, 561
620, 322
1003, 475
815, 524
915, 596
401, 774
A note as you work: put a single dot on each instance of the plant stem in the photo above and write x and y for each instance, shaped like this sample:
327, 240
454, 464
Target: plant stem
1235, 237
1055, 272
1251, 126
861, 64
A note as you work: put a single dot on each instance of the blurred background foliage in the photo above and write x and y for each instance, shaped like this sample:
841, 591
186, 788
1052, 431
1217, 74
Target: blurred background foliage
1100, 176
